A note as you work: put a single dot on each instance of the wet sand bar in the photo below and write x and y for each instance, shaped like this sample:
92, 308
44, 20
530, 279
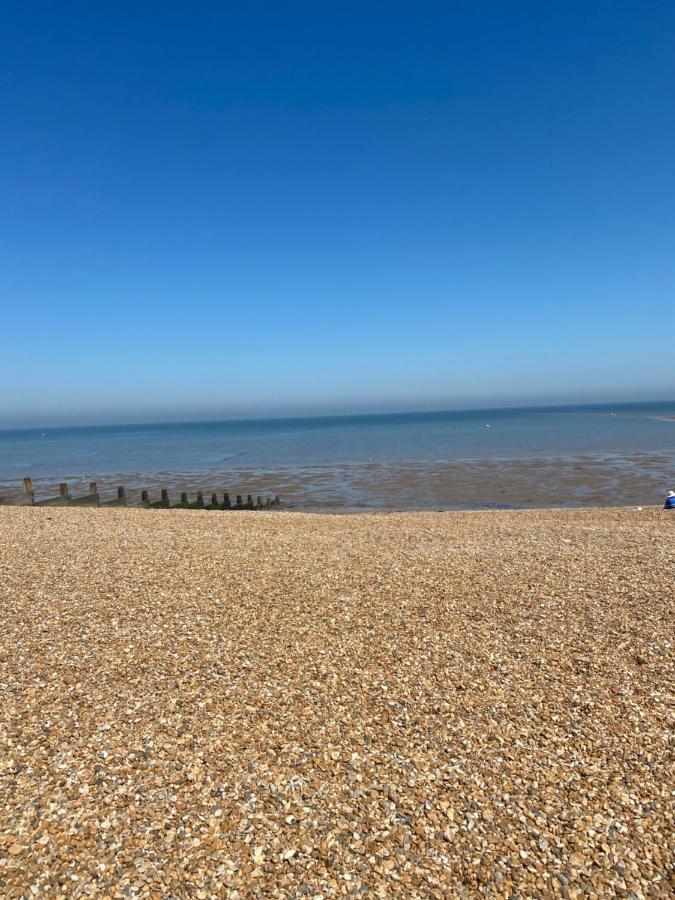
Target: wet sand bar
638, 479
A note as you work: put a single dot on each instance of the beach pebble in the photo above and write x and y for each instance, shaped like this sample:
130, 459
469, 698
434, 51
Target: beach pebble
402, 705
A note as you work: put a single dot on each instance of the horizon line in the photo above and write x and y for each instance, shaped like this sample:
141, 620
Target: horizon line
361, 415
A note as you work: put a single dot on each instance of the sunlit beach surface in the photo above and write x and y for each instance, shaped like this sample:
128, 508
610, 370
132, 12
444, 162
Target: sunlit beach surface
279, 704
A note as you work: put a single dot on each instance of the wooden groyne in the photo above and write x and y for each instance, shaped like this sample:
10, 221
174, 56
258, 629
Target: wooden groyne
26, 497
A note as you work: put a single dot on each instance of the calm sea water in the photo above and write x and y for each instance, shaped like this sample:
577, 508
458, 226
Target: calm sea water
318, 455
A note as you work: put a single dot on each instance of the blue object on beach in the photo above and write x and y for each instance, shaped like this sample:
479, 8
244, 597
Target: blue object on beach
670, 502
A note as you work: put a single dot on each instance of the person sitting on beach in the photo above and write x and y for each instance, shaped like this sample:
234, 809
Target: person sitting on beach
670, 500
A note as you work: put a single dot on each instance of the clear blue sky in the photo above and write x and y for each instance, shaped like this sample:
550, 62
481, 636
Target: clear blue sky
216, 209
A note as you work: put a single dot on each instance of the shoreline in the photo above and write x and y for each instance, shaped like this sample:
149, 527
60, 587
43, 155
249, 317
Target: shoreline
567, 482
294, 513
344, 510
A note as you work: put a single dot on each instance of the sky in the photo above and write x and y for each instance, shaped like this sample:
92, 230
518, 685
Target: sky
218, 209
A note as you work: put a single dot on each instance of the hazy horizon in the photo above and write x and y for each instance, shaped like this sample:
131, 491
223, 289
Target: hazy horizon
338, 412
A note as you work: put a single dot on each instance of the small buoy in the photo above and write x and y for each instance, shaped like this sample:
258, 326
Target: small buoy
487, 426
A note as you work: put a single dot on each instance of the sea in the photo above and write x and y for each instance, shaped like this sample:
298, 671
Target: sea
620, 454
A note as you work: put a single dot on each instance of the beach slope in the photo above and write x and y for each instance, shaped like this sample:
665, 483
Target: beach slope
205, 704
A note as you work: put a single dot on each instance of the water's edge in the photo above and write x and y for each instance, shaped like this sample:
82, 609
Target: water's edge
610, 480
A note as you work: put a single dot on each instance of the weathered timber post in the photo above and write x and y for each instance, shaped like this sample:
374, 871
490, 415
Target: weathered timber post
259, 502
29, 496
268, 503
277, 500
249, 501
24, 498
122, 495
163, 503
226, 501
62, 500
93, 494
145, 500
214, 499
200, 498
239, 504
184, 498
90, 499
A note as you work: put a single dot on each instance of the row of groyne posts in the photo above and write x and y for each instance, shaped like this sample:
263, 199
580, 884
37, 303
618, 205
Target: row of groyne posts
26, 497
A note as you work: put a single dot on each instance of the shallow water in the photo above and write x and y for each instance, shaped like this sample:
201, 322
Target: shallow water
534, 457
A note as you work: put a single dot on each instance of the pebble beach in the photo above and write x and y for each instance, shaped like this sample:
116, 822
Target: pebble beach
456, 704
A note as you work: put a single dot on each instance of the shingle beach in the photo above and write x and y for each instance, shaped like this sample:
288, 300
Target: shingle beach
199, 704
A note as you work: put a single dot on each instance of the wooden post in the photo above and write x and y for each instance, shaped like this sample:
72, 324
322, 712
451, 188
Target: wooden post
145, 500
268, 503
226, 501
277, 500
63, 493
200, 498
214, 499
122, 495
28, 494
183, 498
24, 498
90, 499
165, 496
249, 501
239, 504
259, 503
